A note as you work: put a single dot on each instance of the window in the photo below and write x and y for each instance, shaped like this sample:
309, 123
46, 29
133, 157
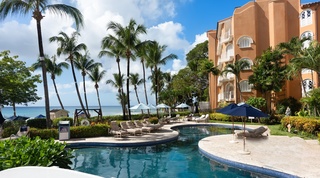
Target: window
228, 92
307, 85
249, 61
229, 51
306, 18
245, 42
307, 34
245, 86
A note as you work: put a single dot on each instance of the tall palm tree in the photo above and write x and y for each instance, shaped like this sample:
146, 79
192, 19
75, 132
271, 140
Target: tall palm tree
154, 59
37, 7
69, 47
96, 75
236, 69
136, 81
295, 47
55, 69
109, 49
127, 40
118, 83
85, 64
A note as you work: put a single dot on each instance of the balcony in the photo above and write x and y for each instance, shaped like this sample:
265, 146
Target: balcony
226, 39
225, 59
226, 78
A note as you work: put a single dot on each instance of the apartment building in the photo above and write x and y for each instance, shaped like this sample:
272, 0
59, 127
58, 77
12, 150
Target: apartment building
250, 30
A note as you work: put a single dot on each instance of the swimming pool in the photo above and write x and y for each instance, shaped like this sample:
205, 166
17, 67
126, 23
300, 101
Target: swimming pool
180, 158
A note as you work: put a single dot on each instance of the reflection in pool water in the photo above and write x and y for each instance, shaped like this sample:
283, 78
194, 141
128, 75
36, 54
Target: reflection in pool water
180, 158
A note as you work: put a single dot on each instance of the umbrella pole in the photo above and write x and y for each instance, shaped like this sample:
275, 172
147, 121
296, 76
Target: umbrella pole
244, 139
233, 140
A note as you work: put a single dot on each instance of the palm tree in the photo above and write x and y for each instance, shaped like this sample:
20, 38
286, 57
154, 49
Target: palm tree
37, 7
115, 52
118, 83
127, 40
85, 64
236, 69
96, 75
154, 60
68, 46
55, 69
136, 81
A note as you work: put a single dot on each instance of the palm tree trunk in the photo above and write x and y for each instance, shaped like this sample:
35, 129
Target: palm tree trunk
144, 85
44, 73
239, 89
55, 88
85, 92
156, 88
128, 95
121, 94
98, 100
77, 88
135, 90
14, 109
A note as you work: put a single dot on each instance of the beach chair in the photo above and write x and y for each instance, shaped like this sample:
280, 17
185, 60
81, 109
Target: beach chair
258, 132
144, 128
131, 125
124, 126
154, 126
116, 130
203, 119
176, 118
23, 131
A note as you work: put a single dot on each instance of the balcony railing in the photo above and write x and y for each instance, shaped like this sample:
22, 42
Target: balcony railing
226, 96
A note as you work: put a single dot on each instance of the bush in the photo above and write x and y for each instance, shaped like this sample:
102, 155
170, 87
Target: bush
293, 104
304, 124
153, 120
44, 133
25, 151
96, 130
37, 123
11, 127
220, 117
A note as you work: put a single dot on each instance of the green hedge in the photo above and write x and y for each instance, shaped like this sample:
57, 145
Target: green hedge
55, 122
305, 124
37, 123
25, 151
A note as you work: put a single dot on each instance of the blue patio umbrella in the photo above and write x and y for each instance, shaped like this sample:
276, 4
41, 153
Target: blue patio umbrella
227, 109
40, 116
245, 110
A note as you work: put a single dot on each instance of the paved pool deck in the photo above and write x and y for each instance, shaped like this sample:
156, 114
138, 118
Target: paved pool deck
276, 156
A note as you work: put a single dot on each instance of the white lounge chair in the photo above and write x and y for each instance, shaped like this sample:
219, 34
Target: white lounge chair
116, 130
258, 132
144, 128
203, 119
23, 131
124, 126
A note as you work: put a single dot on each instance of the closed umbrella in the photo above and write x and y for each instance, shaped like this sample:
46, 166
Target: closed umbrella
245, 110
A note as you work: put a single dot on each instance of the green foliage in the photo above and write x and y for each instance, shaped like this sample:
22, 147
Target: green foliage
313, 101
220, 117
55, 122
11, 127
290, 102
17, 82
304, 124
153, 120
319, 137
96, 130
257, 102
44, 133
37, 123
25, 151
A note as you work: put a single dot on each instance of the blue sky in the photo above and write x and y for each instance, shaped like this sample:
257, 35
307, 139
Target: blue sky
179, 24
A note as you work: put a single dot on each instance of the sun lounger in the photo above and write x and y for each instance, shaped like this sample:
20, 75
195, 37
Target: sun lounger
174, 119
116, 130
23, 131
131, 125
203, 119
144, 128
154, 126
124, 126
258, 132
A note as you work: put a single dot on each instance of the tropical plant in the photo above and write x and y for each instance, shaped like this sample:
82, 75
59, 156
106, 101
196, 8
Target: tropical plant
18, 85
25, 151
127, 40
54, 69
257, 102
269, 73
96, 76
84, 63
118, 83
37, 7
136, 81
154, 60
236, 69
69, 47
313, 101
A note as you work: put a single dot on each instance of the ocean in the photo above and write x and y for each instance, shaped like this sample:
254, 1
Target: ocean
33, 111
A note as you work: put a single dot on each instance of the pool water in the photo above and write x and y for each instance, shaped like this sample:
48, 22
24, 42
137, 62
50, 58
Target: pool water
177, 159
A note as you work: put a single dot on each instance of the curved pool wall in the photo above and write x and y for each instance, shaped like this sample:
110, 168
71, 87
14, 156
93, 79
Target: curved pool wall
250, 168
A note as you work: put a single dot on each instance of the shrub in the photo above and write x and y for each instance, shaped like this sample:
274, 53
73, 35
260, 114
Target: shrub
153, 120
257, 102
293, 104
303, 124
96, 130
25, 151
37, 123
220, 117
44, 133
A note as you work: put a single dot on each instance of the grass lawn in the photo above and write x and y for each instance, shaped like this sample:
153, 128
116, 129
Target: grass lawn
276, 130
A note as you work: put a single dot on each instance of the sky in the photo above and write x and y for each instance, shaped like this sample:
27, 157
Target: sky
179, 24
